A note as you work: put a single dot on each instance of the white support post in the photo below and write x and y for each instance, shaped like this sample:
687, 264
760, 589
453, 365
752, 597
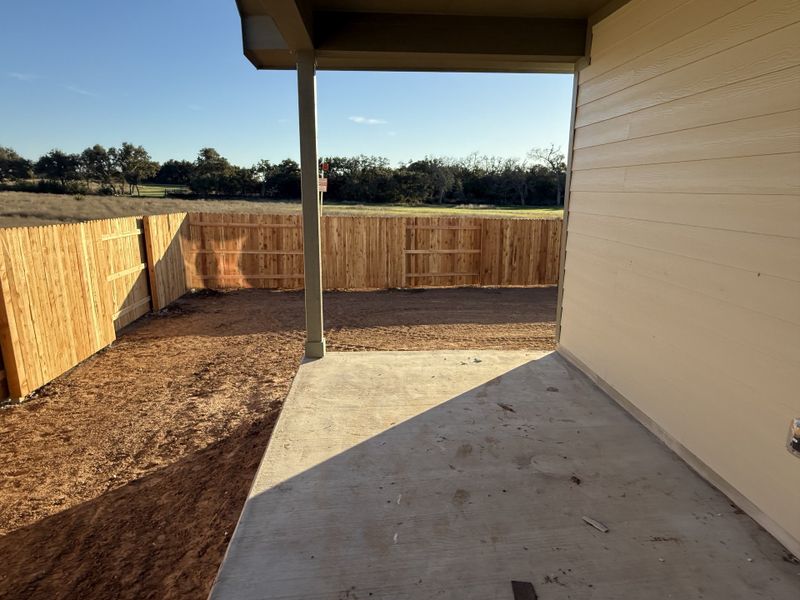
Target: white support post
312, 247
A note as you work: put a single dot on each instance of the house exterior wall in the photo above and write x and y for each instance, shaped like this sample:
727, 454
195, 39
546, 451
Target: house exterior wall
681, 290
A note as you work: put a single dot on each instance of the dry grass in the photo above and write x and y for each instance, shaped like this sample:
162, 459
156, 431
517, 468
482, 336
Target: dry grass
25, 208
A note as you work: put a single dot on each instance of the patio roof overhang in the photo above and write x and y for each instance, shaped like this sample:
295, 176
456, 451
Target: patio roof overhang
547, 36
544, 36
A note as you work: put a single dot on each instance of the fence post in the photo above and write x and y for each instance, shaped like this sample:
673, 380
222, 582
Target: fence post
13, 372
164, 256
150, 258
90, 284
480, 255
403, 257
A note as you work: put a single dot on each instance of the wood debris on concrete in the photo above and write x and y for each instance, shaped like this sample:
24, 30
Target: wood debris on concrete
596, 524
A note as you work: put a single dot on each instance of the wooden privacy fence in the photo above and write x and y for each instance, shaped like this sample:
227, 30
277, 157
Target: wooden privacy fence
266, 251
66, 290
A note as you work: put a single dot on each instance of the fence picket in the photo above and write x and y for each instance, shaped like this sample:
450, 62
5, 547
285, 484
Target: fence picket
372, 252
65, 290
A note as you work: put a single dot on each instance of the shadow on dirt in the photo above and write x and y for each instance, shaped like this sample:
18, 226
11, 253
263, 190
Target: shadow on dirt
189, 510
255, 311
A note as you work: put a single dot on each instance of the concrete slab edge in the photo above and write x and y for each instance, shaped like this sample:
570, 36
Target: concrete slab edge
289, 395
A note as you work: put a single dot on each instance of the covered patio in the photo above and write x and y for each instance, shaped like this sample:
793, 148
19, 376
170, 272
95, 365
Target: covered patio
447, 474
451, 474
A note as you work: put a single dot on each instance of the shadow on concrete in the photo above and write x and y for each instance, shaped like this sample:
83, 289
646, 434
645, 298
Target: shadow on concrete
450, 474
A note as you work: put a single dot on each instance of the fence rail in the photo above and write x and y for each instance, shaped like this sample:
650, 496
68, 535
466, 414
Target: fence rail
266, 251
66, 290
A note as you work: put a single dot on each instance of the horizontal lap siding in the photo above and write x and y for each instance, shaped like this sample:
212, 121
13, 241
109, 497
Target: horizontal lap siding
682, 272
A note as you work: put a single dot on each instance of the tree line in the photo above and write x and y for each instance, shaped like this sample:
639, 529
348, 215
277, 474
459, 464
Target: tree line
535, 180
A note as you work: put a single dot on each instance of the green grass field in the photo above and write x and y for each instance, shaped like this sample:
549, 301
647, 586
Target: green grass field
432, 210
155, 190
25, 208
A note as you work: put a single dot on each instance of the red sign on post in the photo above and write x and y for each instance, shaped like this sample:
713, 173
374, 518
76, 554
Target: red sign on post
323, 184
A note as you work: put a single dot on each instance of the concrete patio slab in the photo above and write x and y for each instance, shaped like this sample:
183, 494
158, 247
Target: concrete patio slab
405, 475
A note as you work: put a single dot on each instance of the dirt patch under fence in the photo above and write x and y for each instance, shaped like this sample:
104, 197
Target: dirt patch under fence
124, 478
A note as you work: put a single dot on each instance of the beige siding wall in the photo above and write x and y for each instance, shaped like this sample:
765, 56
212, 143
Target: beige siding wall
682, 273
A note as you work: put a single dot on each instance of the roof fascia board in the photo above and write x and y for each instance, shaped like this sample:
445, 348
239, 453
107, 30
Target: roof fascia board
294, 19
467, 63
437, 34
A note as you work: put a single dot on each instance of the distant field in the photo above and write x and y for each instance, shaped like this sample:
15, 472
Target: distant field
155, 190
24, 208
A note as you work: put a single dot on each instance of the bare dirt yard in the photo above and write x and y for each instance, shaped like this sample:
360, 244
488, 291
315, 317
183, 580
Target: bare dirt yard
124, 478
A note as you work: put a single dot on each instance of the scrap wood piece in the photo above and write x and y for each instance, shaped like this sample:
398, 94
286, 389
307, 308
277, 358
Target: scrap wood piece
523, 590
596, 524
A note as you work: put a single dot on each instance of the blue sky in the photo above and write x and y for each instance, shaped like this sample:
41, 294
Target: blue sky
170, 75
